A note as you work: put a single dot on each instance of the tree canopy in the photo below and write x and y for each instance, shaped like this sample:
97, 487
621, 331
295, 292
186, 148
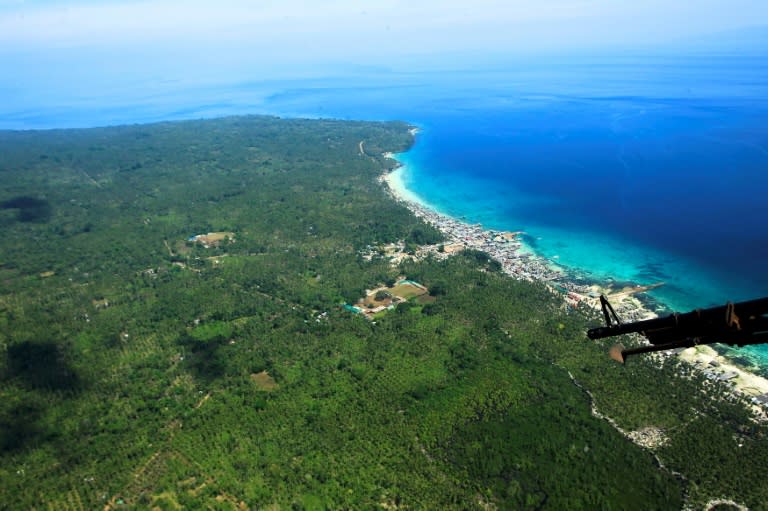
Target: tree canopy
141, 369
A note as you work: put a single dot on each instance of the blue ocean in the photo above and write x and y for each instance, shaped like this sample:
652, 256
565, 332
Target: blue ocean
627, 169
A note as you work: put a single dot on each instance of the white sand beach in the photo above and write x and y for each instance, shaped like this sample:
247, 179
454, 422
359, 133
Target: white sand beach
394, 181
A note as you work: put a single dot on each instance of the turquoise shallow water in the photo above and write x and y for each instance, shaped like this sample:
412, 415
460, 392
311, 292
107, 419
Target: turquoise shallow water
587, 254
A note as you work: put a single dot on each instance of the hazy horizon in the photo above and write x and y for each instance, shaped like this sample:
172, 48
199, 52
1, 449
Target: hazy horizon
91, 45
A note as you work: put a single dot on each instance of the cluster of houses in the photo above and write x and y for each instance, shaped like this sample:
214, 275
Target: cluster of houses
501, 246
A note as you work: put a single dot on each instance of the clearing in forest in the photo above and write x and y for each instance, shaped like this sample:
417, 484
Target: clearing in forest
383, 298
264, 381
213, 239
407, 289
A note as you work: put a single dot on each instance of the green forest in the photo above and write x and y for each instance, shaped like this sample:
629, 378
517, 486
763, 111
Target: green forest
141, 368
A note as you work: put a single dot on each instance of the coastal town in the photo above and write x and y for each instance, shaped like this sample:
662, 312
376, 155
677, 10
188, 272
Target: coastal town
515, 259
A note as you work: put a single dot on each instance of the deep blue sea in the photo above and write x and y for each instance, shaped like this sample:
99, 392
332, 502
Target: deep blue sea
637, 169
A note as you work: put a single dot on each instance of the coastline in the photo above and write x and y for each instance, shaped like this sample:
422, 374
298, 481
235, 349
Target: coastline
516, 258
520, 262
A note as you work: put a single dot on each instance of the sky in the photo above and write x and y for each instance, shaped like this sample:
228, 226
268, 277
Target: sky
77, 48
348, 29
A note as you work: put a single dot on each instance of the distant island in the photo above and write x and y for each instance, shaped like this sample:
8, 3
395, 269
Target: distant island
177, 334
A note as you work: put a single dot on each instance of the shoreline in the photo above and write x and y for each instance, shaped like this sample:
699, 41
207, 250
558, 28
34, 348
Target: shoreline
520, 262
516, 258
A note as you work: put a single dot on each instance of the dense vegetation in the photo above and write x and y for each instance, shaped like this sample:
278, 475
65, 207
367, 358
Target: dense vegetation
143, 370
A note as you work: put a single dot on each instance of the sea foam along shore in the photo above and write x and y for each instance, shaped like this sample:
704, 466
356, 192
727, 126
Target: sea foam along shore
520, 262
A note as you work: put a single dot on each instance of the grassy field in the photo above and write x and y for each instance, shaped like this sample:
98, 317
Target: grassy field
408, 291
